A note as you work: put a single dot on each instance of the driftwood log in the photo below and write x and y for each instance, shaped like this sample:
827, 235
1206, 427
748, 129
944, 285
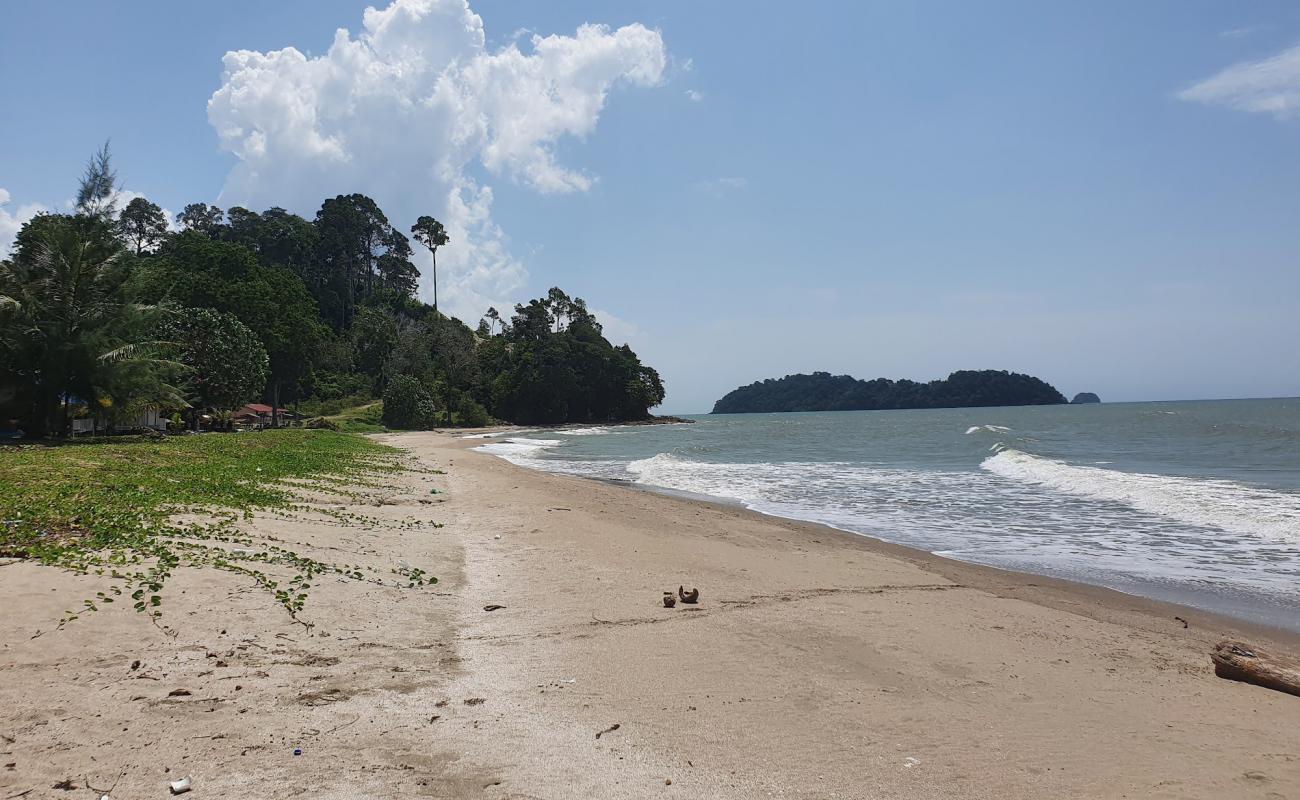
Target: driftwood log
1238, 661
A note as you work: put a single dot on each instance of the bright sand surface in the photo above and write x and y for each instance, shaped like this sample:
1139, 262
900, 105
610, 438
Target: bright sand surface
816, 665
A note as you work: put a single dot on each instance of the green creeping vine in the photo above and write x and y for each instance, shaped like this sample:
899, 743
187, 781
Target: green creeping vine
108, 507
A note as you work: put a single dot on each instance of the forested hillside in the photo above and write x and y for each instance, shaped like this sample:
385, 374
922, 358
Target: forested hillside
106, 311
822, 391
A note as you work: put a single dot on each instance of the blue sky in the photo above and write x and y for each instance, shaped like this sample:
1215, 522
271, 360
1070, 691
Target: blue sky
1100, 194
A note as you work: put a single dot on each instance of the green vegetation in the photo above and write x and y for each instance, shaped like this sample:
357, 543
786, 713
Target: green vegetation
105, 313
366, 418
107, 507
822, 391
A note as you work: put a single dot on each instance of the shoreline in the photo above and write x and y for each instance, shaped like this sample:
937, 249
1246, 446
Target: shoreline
543, 664
1179, 607
985, 576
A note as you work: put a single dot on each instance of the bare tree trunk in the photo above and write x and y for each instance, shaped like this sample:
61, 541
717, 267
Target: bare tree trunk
275, 405
1238, 661
434, 252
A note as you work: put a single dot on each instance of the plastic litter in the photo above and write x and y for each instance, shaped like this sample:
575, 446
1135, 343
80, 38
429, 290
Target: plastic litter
297, 751
181, 786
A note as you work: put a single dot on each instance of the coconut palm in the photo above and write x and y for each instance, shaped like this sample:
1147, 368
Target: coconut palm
69, 332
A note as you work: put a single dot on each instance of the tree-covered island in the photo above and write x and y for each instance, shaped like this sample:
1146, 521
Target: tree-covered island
822, 391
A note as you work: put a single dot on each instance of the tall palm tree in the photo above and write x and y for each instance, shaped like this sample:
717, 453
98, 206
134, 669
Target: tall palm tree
430, 233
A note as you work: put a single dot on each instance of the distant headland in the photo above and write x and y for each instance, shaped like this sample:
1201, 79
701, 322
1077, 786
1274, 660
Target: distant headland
822, 391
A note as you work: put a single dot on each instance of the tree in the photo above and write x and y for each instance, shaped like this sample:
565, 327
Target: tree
407, 404
374, 336
69, 331
273, 302
394, 266
226, 362
553, 364
143, 224
430, 233
361, 252
201, 217
97, 193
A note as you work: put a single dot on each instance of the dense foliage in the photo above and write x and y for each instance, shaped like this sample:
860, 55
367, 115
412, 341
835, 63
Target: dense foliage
822, 391
227, 363
407, 404
89, 303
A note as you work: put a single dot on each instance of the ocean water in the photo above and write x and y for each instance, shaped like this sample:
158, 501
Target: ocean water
1193, 502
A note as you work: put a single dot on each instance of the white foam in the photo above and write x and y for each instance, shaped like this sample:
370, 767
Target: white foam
518, 447
989, 428
597, 431
1221, 504
1020, 512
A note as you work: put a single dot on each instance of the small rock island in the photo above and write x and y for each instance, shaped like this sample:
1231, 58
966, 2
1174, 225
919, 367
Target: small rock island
1085, 397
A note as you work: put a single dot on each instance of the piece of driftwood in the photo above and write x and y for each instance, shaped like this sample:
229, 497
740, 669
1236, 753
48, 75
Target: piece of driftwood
693, 596
1238, 661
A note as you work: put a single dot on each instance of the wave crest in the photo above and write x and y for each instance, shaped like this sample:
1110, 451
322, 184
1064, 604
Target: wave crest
1230, 506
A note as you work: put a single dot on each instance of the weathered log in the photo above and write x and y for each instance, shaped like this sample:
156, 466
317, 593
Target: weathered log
1238, 661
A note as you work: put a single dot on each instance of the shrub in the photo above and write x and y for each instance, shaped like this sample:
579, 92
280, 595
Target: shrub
407, 404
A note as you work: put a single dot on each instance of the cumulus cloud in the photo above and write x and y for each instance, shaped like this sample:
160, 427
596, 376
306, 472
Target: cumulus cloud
12, 221
1268, 86
409, 109
694, 96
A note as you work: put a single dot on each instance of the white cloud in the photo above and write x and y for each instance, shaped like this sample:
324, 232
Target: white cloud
1269, 86
616, 329
405, 109
12, 221
694, 96
1241, 33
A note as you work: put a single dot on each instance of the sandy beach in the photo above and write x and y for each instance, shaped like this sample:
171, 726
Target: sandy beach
817, 664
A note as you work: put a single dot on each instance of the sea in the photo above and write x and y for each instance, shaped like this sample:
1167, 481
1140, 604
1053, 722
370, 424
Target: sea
1192, 502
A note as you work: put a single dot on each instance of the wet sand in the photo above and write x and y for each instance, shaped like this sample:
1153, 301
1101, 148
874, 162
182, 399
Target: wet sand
817, 664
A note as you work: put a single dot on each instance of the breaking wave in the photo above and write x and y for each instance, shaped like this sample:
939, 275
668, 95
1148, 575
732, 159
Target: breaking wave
1230, 506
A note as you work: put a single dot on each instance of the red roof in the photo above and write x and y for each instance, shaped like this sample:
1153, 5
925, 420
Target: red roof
258, 408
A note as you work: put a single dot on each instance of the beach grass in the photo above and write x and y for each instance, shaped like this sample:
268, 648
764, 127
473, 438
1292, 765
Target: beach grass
108, 506
366, 418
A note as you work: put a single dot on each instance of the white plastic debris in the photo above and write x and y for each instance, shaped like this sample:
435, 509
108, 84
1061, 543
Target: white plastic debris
243, 552
181, 786
498, 536
910, 762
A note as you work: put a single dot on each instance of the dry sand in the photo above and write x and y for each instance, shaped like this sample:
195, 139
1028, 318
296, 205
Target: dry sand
816, 665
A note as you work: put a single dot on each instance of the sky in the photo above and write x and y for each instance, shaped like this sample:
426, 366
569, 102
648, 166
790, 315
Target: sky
1100, 194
